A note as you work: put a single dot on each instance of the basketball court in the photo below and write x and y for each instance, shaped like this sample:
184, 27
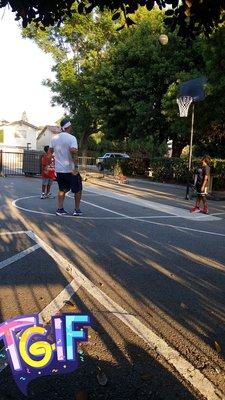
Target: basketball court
150, 273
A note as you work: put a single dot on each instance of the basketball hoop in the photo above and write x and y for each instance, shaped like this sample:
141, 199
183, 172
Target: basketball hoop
184, 104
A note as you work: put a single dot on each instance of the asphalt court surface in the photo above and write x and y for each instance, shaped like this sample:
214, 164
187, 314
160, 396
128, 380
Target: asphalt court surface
144, 259
29, 278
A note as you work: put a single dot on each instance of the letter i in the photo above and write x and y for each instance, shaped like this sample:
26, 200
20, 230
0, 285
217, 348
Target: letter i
59, 339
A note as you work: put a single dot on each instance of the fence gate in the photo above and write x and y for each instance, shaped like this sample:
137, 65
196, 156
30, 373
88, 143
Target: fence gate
16, 163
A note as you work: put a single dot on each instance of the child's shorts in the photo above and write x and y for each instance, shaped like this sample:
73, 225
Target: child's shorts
198, 191
47, 182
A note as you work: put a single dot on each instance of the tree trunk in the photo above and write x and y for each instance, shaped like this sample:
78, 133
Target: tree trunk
83, 143
177, 148
83, 147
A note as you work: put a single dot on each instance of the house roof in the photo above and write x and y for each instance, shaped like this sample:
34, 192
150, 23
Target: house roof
52, 128
21, 122
3, 122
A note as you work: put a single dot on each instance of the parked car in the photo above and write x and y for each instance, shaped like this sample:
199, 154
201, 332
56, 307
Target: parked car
103, 162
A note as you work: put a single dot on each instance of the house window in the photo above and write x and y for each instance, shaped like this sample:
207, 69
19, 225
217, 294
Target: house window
1, 136
20, 134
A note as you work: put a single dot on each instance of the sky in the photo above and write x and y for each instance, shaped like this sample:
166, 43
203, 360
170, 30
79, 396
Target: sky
23, 67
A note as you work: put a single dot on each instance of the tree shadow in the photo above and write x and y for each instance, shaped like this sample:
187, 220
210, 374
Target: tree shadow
150, 277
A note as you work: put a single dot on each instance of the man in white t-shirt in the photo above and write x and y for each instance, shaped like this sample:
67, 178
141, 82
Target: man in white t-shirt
64, 146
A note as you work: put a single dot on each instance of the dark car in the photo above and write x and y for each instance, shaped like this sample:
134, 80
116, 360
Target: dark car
103, 161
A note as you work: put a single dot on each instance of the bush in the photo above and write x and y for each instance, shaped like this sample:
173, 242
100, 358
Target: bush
131, 166
219, 174
171, 170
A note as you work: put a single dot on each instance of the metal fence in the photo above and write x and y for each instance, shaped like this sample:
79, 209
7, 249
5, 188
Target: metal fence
28, 162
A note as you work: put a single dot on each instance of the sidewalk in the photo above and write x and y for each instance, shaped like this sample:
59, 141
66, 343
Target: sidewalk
179, 190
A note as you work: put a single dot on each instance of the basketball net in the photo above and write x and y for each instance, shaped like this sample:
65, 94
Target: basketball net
184, 104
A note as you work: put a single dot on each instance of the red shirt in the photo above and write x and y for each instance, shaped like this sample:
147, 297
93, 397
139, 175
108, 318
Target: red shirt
48, 168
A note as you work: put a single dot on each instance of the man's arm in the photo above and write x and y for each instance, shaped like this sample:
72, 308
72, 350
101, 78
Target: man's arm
73, 150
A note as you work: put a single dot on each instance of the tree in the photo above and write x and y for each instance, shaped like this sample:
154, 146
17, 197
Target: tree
209, 132
191, 16
77, 47
135, 77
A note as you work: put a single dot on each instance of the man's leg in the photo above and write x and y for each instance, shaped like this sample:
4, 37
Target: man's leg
61, 197
76, 188
77, 199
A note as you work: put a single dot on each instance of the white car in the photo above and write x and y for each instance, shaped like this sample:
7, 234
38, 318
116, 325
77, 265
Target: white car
101, 162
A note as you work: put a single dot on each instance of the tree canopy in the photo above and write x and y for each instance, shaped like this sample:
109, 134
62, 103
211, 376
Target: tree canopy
190, 16
124, 84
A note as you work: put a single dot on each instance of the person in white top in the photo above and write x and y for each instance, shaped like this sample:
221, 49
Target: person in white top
64, 146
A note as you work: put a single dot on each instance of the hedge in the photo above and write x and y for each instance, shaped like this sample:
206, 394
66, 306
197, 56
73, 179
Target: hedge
171, 170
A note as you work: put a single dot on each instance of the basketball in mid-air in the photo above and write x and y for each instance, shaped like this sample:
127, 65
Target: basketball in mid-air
163, 39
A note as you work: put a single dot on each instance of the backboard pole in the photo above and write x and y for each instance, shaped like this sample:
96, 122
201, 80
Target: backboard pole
190, 150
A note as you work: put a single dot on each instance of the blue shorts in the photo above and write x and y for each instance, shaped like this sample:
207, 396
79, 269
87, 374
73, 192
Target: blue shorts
68, 181
47, 182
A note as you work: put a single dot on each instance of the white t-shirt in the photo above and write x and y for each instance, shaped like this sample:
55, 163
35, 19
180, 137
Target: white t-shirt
61, 143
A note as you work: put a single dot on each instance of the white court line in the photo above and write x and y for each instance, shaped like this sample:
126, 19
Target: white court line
219, 213
184, 228
177, 211
121, 216
56, 304
125, 217
173, 357
12, 233
18, 256
128, 216
14, 203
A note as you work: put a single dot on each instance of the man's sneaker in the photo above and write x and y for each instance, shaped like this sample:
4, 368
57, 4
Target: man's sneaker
195, 209
205, 210
77, 212
43, 196
50, 196
61, 211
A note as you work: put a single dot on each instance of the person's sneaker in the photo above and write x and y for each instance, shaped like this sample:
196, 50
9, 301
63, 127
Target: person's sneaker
61, 211
77, 212
205, 210
195, 209
50, 196
43, 196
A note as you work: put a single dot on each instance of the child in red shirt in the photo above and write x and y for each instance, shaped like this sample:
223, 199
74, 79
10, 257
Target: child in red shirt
48, 174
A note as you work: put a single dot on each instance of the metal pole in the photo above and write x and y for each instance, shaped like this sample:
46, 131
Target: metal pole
190, 150
1, 157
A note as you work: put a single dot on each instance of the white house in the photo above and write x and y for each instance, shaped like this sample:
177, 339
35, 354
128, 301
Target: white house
18, 135
45, 136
